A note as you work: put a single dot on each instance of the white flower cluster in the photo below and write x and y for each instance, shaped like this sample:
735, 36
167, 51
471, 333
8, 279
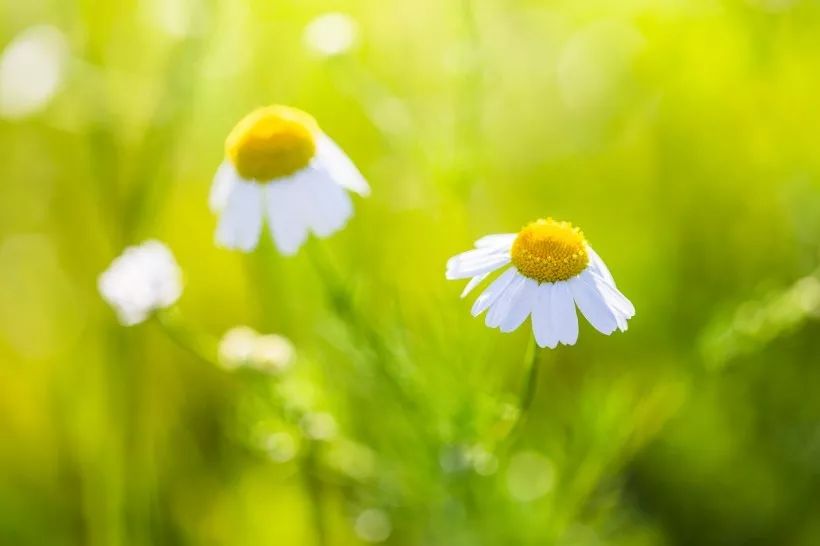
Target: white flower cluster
243, 347
141, 280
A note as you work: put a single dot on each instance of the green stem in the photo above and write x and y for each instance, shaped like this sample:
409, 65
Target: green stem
313, 486
341, 300
528, 390
531, 384
198, 344
469, 97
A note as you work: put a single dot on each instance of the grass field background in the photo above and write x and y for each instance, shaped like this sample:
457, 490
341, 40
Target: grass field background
682, 136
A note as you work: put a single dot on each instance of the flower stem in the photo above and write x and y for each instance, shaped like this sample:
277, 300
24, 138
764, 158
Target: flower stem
528, 390
313, 486
198, 344
531, 384
341, 301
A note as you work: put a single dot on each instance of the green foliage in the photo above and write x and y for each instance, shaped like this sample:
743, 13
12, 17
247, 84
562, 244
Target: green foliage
681, 136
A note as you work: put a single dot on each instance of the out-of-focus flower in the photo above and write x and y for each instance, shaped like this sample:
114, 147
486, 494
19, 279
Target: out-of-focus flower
272, 353
142, 279
553, 269
236, 346
484, 462
529, 476
281, 447
242, 346
594, 65
331, 34
280, 165
373, 525
31, 71
319, 426
352, 459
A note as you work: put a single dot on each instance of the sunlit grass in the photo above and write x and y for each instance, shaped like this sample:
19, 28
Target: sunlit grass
681, 137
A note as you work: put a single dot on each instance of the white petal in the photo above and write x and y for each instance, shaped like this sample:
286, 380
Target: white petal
545, 334
497, 240
470, 256
598, 266
520, 306
286, 216
475, 262
327, 205
613, 296
501, 308
592, 304
339, 166
475, 281
617, 302
562, 313
241, 220
492, 292
224, 180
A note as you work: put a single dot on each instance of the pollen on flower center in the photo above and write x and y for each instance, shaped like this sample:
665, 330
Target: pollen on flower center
272, 142
550, 251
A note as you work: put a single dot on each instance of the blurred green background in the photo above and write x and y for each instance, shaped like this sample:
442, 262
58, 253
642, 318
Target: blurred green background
682, 136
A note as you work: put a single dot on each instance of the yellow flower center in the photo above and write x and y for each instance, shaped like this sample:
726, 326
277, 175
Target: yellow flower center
550, 251
272, 142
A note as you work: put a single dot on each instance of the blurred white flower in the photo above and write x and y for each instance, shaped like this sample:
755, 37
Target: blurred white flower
373, 525
280, 165
171, 16
530, 476
142, 279
236, 346
594, 65
331, 34
272, 353
31, 71
553, 270
319, 426
484, 462
281, 447
242, 346
352, 459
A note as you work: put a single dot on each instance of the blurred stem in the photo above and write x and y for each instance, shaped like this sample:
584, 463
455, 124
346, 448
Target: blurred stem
149, 185
528, 389
198, 344
341, 301
469, 97
531, 384
313, 487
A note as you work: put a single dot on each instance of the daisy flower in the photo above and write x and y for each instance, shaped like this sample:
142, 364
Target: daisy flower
280, 166
141, 280
552, 270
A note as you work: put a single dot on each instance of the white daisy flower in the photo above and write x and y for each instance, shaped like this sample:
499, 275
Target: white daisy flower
279, 165
141, 280
552, 270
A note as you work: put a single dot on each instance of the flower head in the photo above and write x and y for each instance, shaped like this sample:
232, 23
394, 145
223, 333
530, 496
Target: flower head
32, 70
331, 34
242, 346
553, 269
141, 280
280, 165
